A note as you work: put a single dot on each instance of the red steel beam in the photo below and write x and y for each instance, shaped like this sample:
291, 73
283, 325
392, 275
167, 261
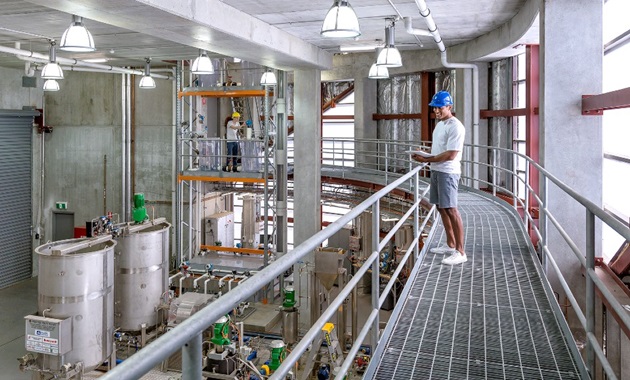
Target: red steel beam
485, 114
425, 95
596, 104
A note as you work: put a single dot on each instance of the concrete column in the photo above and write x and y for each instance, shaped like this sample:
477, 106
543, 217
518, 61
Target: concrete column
571, 144
365, 102
306, 176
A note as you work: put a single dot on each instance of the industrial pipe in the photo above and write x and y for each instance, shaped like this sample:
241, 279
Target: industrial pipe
196, 281
433, 30
73, 62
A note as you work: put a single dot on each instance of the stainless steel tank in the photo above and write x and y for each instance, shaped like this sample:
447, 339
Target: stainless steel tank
76, 280
141, 272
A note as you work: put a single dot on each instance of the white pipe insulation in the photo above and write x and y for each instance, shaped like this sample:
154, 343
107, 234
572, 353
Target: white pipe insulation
433, 30
43, 58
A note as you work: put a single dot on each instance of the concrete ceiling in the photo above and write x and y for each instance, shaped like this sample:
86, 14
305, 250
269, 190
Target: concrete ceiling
279, 34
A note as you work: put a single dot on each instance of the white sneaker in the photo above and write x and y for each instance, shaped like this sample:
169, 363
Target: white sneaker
442, 250
455, 258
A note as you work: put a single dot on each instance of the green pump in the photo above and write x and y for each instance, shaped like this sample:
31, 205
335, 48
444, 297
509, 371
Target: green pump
139, 211
221, 332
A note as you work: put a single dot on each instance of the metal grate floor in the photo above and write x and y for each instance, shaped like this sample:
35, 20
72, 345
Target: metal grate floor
489, 318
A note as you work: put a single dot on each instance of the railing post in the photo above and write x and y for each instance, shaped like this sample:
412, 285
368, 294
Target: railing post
416, 214
494, 172
590, 290
375, 269
526, 211
191, 359
386, 163
542, 222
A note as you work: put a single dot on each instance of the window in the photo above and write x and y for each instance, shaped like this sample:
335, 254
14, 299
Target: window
616, 123
519, 134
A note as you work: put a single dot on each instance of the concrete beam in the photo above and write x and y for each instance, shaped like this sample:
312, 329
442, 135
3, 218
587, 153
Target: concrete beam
204, 24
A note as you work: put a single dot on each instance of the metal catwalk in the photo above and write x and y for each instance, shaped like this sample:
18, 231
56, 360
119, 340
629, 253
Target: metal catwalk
490, 318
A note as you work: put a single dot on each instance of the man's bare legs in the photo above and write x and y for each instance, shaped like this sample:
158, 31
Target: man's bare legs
454, 228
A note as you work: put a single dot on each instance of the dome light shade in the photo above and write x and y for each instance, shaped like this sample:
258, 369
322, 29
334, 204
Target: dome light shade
52, 70
341, 21
268, 79
147, 81
77, 38
389, 56
202, 64
51, 85
378, 72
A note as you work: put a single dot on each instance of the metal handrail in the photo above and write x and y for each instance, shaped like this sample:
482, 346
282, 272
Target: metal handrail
586, 260
187, 334
388, 156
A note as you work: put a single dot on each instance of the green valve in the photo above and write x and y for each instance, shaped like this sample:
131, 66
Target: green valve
221, 332
139, 211
277, 354
289, 298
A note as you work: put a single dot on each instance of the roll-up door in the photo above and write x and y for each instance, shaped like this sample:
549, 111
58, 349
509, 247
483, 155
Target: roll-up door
15, 196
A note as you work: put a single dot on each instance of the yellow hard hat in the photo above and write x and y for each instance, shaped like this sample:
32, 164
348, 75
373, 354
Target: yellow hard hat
236, 114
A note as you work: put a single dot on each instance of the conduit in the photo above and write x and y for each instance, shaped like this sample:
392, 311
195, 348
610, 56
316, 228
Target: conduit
43, 58
433, 30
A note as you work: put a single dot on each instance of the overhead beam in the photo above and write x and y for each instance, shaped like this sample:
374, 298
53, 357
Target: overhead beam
595, 104
203, 24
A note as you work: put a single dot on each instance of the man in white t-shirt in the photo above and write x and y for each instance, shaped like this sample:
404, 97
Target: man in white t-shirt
445, 159
233, 126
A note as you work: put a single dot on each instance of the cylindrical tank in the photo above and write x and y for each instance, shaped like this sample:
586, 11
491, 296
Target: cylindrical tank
76, 280
141, 273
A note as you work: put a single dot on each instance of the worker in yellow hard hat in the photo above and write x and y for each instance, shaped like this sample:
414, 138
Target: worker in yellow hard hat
233, 127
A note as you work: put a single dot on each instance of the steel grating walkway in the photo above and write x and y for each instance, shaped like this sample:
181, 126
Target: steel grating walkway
489, 318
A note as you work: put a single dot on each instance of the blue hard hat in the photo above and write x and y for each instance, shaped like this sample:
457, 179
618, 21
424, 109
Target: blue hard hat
441, 99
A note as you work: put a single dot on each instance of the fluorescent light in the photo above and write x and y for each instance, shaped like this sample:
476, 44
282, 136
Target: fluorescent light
51, 85
77, 38
358, 48
389, 56
96, 60
202, 64
52, 70
147, 81
268, 79
378, 72
341, 21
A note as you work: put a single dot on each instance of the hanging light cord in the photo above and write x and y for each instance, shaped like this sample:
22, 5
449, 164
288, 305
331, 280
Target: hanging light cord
400, 17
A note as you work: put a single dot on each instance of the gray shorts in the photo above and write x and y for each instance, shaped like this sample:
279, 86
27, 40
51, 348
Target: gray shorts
443, 191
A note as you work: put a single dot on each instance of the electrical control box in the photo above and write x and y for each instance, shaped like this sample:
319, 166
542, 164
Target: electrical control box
48, 336
219, 229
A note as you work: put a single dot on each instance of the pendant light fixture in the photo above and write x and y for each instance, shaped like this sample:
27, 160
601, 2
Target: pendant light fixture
376, 71
268, 79
147, 81
202, 65
341, 21
51, 85
77, 38
52, 70
390, 56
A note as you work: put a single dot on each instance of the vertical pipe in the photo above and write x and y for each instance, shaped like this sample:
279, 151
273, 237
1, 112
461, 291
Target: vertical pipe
386, 163
375, 270
355, 314
123, 123
128, 146
590, 290
178, 158
42, 182
281, 171
191, 203
191, 359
